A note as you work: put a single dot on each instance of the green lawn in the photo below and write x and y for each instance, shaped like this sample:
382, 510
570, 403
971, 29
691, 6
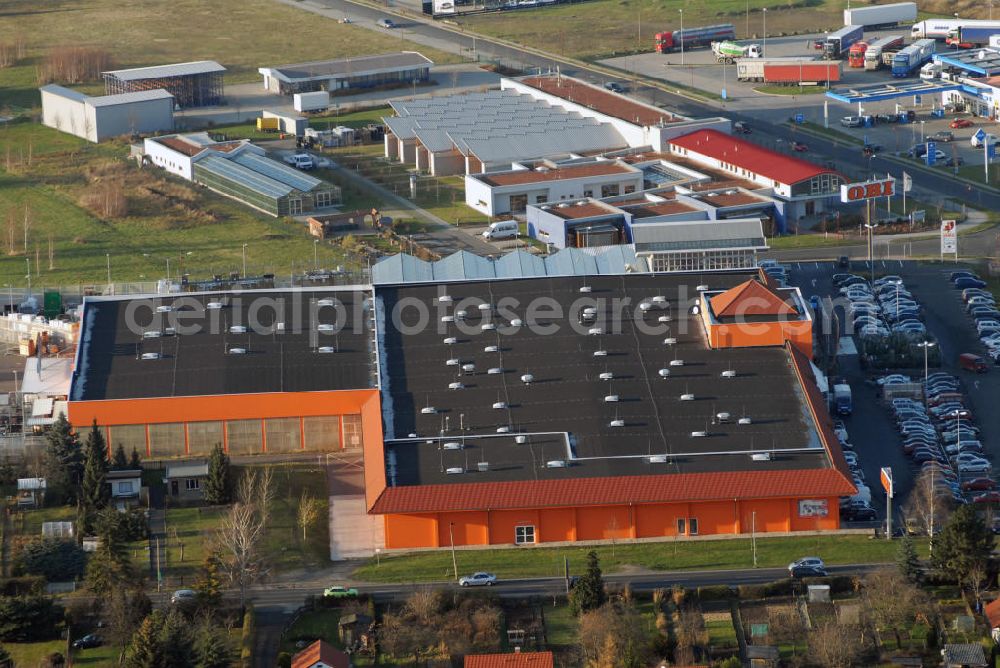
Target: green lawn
29, 655
29, 522
312, 625
791, 90
560, 626
721, 633
628, 26
817, 240
283, 546
673, 555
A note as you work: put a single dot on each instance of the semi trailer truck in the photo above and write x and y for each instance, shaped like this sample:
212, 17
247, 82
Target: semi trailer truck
689, 38
873, 54
838, 43
727, 52
790, 70
913, 57
880, 16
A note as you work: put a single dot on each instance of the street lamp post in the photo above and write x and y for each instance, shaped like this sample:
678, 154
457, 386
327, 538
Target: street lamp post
244, 261
108, 255
926, 345
315, 254
763, 49
922, 132
681, 12
871, 241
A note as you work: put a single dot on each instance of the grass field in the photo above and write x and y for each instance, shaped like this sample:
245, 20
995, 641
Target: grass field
674, 555
242, 35
628, 26
790, 90
29, 655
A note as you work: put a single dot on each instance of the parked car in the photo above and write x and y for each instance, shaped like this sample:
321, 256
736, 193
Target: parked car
812, 562
943, 136
851, 122
480, 579
340, 591
388, 24
614, 87
88, 641
799, 147
960, 123
808, 572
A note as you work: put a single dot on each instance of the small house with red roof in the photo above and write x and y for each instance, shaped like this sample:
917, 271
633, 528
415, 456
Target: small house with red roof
754, 314
321, 654
992, 613
803, 188
512, 660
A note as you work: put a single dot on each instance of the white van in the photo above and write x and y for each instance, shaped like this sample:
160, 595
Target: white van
504, 229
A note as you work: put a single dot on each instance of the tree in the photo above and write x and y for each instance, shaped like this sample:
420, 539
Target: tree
55, 560
240, 535
211, 646
308, 512
110, 566
176, 639
123, 610
5, 660
218, 488
588, 594
832, 645
612, 636
28, 618
965, 542
94, 490
144, 649
929, 504
65, 462
892, 600
119, 462
907, 561
209, 584
256, 488
134, 462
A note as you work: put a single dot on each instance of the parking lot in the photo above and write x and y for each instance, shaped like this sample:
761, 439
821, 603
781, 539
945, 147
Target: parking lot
871, 428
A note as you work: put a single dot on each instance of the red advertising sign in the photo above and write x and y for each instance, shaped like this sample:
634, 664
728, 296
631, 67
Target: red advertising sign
886, 477
857, 192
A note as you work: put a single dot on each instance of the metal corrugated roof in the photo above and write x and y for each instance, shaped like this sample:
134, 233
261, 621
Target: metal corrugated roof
519, 264
278, 171
129, 98
162, 71
245, 176
350, 67
402, 268
571, 262
62, 91
693, 231
463, 265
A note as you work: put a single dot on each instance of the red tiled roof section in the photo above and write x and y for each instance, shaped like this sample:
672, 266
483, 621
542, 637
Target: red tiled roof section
191, 150
749, 156
660, 209
610, 104
735, 199
321, 651
605, 168
992, 612
574, 211
749, 298
515, 660
639, 489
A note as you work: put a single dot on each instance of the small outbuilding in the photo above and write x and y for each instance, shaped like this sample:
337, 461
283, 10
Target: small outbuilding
125, 486
388, 69
963, 655
30, 492
185, 480
321, 654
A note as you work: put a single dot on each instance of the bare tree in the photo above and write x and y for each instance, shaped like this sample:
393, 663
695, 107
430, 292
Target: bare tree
978, 580
308, 512
612, 635
256, 487
892, 600
240, 536
929, 505
833, 645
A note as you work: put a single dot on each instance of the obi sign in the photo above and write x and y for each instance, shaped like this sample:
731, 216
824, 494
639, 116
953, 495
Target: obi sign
857, 192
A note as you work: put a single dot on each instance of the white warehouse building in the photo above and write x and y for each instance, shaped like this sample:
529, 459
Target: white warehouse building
106, 116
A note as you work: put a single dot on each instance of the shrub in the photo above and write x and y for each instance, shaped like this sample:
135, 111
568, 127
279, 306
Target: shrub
22, 585
783, 587
54, 559
715, 593
284, 660
28, 618
247, 640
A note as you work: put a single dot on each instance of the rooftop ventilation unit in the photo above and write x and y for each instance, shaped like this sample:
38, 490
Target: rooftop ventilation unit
451, 340
664, 318
723, 418
491, 349
488, 326
428, 410
484, 307
499, 405
699, 434
645, 306
280, 326
520, 440
659, 299
494, 370
761, 456
164, 309
460, 314
326, 350
607, 375
664, 373
237, 351
326, 301
676, 362
151, 356
452, 445
702, 288
564, 205
213, 306
611, 398
527, 379
153, 334
695, 310
728, 373
657, 459
444, 299
670, 340
240, 329
455, 470
447, 318
595, 331
556, 464
744, 421
585, 289
325, 327
468, 368
454, 361
687, 397
483, 466
169, 331
617, 422
456, 386
600, 353
516, 322
503, 430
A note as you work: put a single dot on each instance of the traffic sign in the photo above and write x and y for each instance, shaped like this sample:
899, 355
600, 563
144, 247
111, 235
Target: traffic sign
886, 475
931, 150
991, 151
866, 140
980, 134
800, 118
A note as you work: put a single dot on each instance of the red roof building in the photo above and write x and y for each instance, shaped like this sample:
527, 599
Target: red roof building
992, 612
321, 654
515, 660
749, 298
809, 189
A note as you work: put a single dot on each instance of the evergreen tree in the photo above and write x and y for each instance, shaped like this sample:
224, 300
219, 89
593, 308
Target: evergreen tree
218, 488
965, 543
209, 584
134, 462
588, 594
109, 566
176, 640
94, 490
5, 660
211, 646
65, 461
145, 649
907, 560
120, 461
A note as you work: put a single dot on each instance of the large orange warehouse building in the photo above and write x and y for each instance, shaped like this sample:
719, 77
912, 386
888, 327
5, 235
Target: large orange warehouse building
494, 412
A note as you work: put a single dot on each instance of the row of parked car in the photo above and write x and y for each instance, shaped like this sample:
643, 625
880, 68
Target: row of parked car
981, 306
881, 308
857, 508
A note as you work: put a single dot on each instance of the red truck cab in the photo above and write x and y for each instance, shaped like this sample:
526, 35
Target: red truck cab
856, 55
664, 42
971, 362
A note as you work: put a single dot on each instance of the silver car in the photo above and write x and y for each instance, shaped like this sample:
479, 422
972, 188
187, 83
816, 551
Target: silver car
478, 580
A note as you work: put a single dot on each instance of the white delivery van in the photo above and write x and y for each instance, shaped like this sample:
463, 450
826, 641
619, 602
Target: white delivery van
504, 229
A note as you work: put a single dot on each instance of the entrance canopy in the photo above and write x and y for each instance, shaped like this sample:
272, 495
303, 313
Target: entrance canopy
891, 91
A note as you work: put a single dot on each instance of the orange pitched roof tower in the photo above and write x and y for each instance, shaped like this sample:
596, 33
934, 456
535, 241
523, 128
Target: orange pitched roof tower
757, 314
750, 298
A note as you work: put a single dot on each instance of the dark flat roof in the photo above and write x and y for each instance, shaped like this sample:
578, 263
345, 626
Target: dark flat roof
567, 394
198, 363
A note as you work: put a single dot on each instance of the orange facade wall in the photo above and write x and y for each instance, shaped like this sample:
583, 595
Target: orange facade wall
750, 335
617, 522
371, 445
